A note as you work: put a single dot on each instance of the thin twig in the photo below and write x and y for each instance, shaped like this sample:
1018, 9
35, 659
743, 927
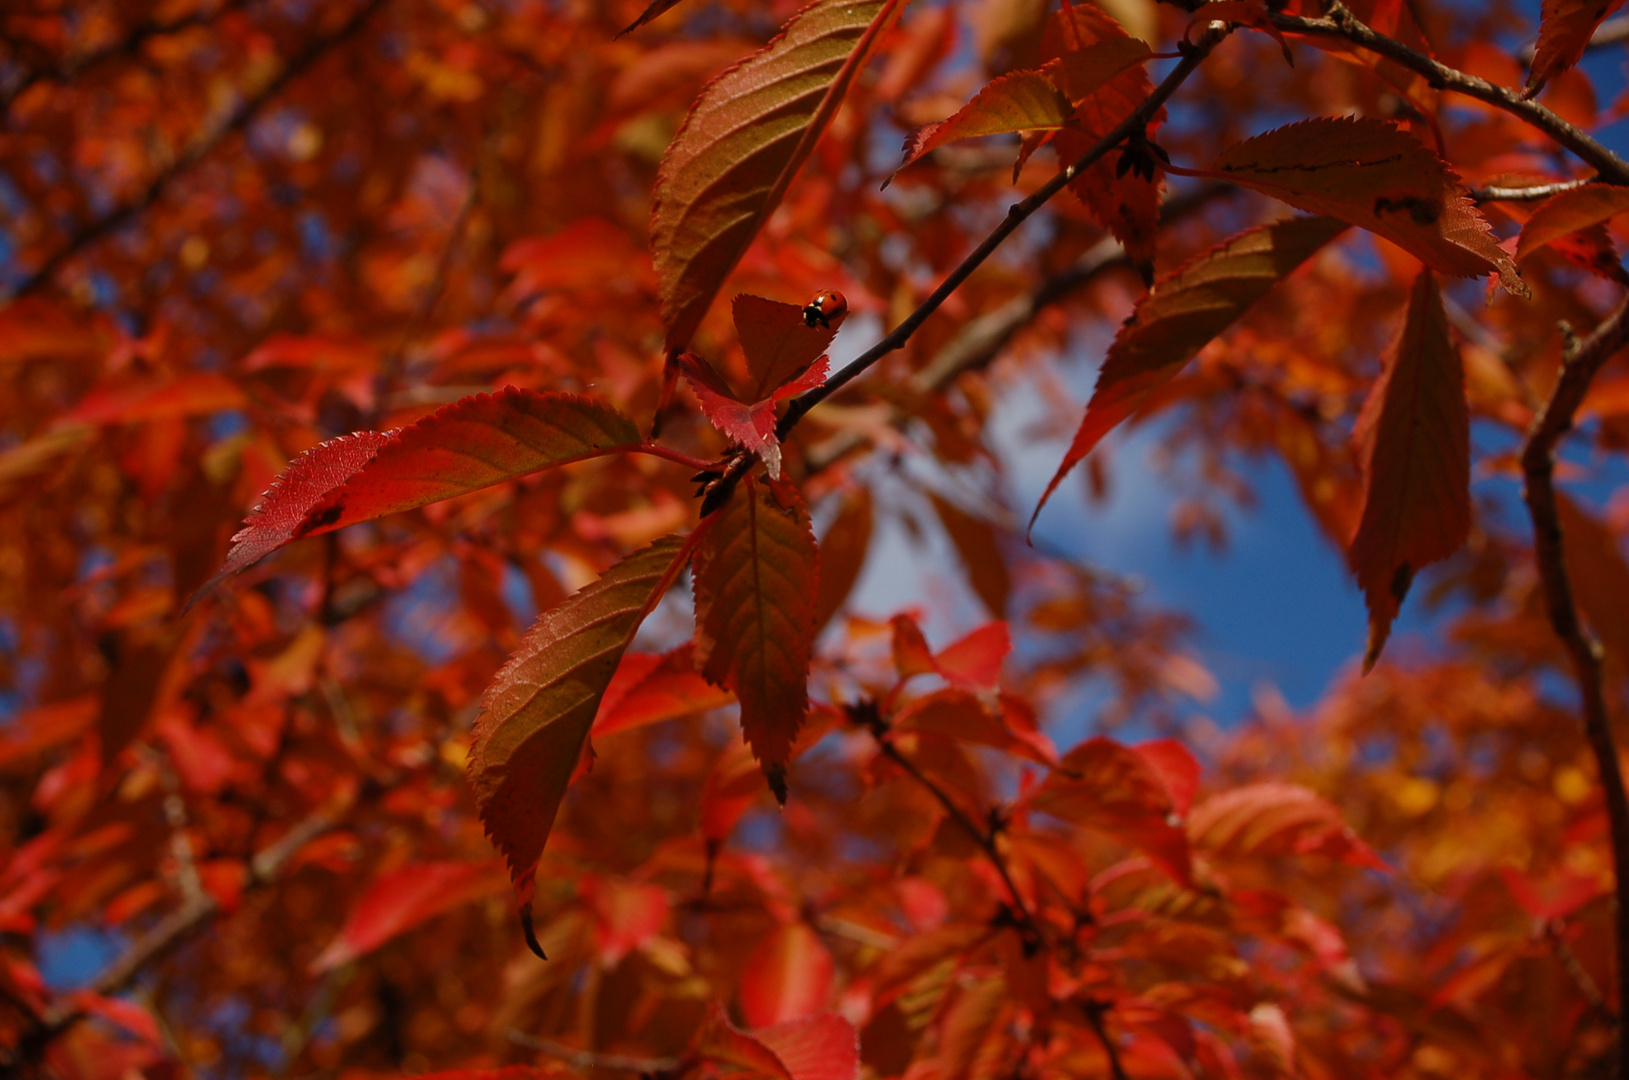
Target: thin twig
1579, 366
197, 149
1094, 1015
1341, 23
1529, 194
1017, 214
589, 1059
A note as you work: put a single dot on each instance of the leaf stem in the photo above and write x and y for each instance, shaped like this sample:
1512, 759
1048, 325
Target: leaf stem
1192, 56
1341, 23
1580, 364
659, 451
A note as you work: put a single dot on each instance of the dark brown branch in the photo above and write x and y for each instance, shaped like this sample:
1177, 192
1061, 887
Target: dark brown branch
1528, 194
1094, 1015
1578, 369
197, 149
1341, 23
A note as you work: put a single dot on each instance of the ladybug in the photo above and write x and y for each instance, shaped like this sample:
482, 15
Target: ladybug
827, 307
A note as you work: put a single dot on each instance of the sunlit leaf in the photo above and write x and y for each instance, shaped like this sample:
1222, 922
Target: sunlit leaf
1109, 787
1017, 101
1180, 316
744, 140
649, 689
537, 714
752, 424
1273, 818
1377, 176
778, 342
1414, 450
756, 583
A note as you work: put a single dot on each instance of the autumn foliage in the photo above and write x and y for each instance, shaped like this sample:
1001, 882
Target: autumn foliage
442, 444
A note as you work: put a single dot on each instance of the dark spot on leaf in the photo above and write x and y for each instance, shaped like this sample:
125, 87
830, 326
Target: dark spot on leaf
322, 520
1423, 211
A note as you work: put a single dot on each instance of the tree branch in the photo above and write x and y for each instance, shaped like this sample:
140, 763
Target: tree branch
1193, 56
1529, 194
1578, 369
197, 149
590, 1059
1341, 23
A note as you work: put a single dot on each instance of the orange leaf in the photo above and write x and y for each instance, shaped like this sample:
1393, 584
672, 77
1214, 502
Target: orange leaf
745, 138
471, 444
626, 915
1180, 316
1276, 819
1112, 788
1570, 212
1017, 101
788, 976
536, 716
398, 901
1565, 27
842, 553
824, 1047
1414, 450
978, 545
755, 583
1377, 176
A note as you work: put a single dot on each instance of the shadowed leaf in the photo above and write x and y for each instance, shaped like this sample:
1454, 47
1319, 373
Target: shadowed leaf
745, 138
1571, 212
779, 344
1599, 577
1414, 450
756, 585
1180, 316
1375, 175
1276, 819
536, 716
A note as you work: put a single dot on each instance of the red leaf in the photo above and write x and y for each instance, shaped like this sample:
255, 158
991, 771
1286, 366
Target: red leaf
1112, 788
979, 548
1017, 101
1276, 819
398, 901
1123, 201
825, 1047
626, 915
1570, 212
1180, 316
911, 653
1599, 577
733, 784
1555, 897
745, 138
756, 574
1379, 177
1565, 27
1414, 448
537, 714
648, 689
1177, 769
656, 8
956, 714
779, 343
788, 977
753, 426
198, 393
470, 444
974, 661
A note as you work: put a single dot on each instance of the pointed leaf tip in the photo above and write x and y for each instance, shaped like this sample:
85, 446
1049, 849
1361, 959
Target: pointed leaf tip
1181, 315
756, 589
537, 714
1413, 444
